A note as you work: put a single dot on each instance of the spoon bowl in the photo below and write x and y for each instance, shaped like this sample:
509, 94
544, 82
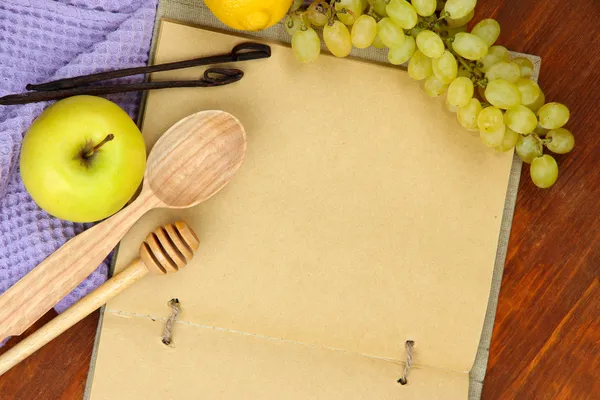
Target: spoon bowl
191, 162
196, 158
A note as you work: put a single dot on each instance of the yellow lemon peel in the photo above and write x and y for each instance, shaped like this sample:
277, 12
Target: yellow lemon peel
249, 15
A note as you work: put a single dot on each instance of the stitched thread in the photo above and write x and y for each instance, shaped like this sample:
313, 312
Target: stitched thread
168, 331
409, 360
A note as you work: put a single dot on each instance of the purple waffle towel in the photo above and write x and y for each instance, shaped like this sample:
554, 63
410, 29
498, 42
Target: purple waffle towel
43, 40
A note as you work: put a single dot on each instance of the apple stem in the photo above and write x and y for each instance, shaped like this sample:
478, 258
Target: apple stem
94, 149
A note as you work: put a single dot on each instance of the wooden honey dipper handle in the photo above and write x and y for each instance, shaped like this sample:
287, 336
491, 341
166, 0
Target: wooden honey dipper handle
72, 315
165, 250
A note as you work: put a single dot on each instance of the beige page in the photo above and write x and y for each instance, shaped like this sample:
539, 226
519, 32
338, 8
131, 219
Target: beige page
364, 216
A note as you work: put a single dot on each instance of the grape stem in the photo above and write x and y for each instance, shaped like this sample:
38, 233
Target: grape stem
466, 65
473, 68
372, 13
448, 41
321, 9
346, 11
443, 16
333, 11
482, 82
537, 138
462, 62
432, 23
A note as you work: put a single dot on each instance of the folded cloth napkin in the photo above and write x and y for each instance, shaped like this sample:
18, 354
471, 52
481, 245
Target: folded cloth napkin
43, 40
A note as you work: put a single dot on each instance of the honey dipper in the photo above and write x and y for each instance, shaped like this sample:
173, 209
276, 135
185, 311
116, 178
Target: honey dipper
165, 250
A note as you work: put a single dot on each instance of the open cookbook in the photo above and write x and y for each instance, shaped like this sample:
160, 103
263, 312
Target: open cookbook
364, 216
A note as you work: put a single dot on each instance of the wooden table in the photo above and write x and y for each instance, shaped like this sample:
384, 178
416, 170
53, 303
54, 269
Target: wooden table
546, 342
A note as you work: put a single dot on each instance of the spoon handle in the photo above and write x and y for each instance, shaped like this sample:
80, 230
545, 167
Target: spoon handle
48, 283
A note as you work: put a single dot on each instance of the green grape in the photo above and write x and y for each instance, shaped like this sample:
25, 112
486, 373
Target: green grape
403, 13
526, 66
349, 10
540, 131
296, 4
509, 141
445, 67
295, 21
419, 66
434, 87
379, 6
414, 32
400, 55
562, 141
553, 115
460, 92
544, 171
469, 46
390, 33
536, 105
453, 31
337, 39
424, 8
493, 138
455, 23
306, 45
528, 148
364, 31
520, 119
508, 71
488, 30
459, 8
531, 94
317, 13
502, 94
490, 119
378, 43
430, 43
450, 107
467, 115
495, 55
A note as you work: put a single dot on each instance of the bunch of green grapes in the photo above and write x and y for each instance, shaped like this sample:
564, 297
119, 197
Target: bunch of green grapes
490, 93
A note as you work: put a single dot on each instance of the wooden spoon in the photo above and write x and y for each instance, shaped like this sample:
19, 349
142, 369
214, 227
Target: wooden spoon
191, 162
165, 250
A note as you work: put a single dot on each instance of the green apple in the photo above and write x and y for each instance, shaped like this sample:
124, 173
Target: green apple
82, 159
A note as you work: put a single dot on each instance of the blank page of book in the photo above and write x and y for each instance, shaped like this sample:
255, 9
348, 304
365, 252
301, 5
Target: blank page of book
363, 216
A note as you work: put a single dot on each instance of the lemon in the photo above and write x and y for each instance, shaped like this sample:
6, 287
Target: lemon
249, 15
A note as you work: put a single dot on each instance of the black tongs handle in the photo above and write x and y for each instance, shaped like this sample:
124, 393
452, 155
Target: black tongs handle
212, 77
241, 52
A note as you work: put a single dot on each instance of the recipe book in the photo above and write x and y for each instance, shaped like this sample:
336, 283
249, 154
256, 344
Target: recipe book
363, 216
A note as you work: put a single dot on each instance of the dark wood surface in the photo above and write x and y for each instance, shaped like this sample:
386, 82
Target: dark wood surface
546, 341
58, 370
